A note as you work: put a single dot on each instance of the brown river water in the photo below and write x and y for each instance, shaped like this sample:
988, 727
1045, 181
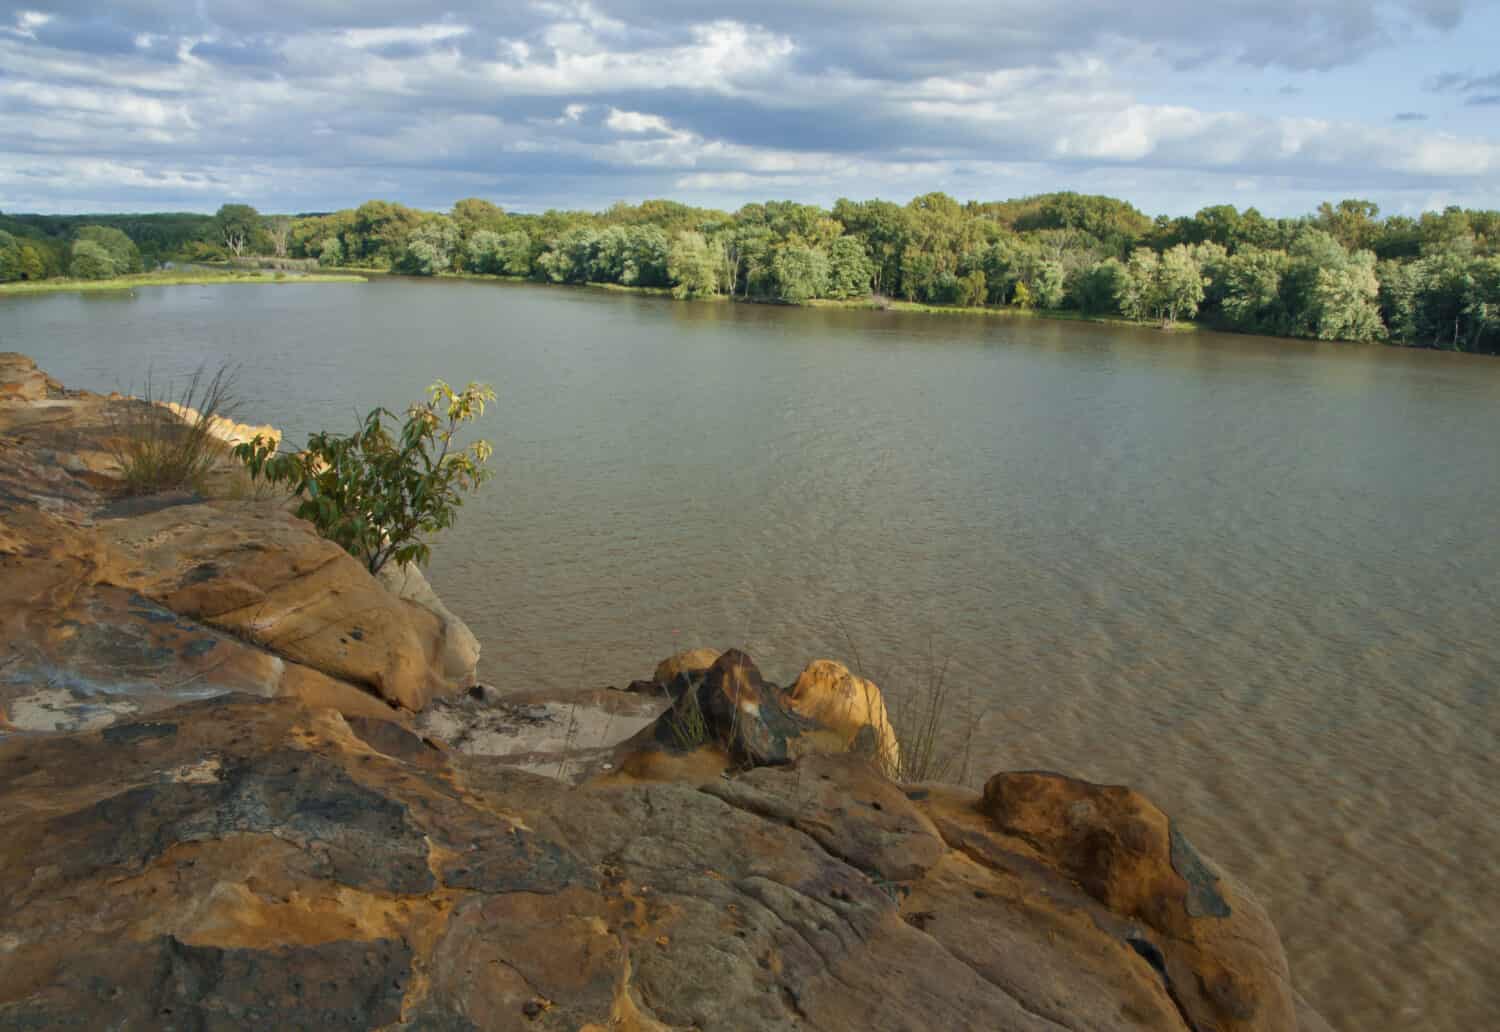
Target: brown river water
1257, 579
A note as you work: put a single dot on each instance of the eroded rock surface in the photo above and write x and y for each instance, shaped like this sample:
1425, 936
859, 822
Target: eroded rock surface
119, 605
254, 863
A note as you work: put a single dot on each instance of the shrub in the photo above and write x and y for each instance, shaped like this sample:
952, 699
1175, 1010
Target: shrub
375, 493
167, 443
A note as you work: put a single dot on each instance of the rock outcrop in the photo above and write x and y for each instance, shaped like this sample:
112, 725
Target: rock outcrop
221, 812
120, 605
257, 863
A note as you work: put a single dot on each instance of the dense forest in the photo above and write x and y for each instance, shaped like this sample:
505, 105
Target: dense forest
1342, 273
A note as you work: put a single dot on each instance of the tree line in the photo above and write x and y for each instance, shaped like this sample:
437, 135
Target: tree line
1341, 273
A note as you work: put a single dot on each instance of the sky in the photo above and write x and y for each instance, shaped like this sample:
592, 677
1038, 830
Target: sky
314, 105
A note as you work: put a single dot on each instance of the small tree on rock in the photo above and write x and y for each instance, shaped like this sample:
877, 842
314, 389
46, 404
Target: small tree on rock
377, 493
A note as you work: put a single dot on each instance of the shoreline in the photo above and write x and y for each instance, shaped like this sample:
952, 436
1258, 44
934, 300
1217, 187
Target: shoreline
864, 304
354, 274
149, 279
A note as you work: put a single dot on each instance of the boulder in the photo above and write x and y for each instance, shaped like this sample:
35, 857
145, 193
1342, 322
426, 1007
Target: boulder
1214, 945
260, 573
458, 655
223, 428
22, 381
733, 716
827, 693
692, 662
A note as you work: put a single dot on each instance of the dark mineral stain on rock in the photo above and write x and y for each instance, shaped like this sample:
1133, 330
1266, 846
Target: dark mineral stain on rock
129, 734
147, 504
1203, 899
198, 647
202, 572
360, 837
517, 861
391, 739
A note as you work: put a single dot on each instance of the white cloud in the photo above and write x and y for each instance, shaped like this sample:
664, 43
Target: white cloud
542, 97
364, 39
636, 122
27, 22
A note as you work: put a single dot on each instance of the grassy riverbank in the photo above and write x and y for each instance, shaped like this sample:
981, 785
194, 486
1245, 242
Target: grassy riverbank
1006, 311
169, 279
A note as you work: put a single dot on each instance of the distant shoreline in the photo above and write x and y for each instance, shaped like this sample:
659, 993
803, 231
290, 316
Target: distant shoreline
866, 304
169, 279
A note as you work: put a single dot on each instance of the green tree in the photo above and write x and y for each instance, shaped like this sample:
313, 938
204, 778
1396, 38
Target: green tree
1352, 223
850, 270
33, 265
972, 289
801, 273
1178, 290
331, 252
1097, 291
1345, 301
10, 257
91, 261
1252, 290
1046, 279
379, 493
237, 225
514, 254
483, 251
122, 251
431, 247
1137, 289
694, 266
472, 215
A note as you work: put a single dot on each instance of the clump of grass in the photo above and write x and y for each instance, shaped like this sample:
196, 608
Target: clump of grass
686, 721
935, 729
934, 734
159, 449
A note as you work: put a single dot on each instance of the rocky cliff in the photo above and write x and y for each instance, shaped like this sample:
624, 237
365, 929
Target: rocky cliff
239, 790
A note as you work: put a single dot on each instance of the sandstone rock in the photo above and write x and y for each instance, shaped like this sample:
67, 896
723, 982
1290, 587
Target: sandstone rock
458, 656
256, 864
120, 605
571, 739
826, 692
21, 380
693, 662
257, 571
732, 717
222, 428
1215, 945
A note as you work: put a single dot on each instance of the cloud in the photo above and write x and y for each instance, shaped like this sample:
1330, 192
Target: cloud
293, 105
635, 122
1460, 82
1410, 116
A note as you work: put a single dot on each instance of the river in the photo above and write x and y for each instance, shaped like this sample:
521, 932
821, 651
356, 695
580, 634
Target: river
1256, 579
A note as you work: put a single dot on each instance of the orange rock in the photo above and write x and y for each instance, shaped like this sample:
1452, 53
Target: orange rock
1215, 943
693, 662
846, 704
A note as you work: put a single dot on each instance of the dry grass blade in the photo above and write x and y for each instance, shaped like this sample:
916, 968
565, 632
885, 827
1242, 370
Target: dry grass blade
166, 443
937, 736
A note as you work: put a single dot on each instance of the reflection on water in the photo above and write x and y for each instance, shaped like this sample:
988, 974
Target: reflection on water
1255, 578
